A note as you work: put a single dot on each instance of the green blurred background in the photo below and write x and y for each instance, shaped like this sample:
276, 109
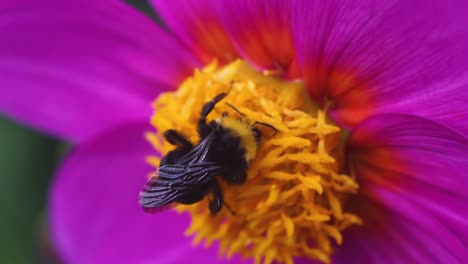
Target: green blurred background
28, 160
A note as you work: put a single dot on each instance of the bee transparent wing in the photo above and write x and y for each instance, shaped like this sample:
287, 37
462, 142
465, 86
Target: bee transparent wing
187, 176
156, 197
198, 154
174, 181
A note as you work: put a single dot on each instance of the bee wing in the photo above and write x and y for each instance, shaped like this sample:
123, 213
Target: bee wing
185, 176
156, 197
198, 154
174, 181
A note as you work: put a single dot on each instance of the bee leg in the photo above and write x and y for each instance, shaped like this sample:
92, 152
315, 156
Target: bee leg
229, 208
177, 139
183, 147
174, 155
203, 127
217, 201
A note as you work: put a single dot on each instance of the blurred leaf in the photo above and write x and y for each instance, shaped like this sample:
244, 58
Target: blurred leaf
147, 9
27, 161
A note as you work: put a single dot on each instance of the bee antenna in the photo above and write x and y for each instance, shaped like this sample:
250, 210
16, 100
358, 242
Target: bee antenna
231, 84
235, 109
267, 125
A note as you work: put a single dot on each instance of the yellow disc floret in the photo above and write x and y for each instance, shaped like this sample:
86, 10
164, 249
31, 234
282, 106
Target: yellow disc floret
292, 202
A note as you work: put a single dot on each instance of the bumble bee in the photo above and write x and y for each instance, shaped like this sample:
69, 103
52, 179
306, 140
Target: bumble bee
190, 172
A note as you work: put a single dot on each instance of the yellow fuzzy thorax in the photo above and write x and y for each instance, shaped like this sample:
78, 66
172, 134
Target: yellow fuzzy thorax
292, 202
242, 129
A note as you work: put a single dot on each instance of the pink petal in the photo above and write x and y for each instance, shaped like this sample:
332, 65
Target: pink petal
95, 215
413, 171
372, 56
75, 68
198, 25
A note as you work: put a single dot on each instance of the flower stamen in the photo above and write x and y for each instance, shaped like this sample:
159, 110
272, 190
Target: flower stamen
292, 202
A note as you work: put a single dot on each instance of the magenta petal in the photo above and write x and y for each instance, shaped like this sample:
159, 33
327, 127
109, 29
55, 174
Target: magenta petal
414, 170
389, 238
261, 30
74, 68
445, 102
95, 215
373, 56
197, 24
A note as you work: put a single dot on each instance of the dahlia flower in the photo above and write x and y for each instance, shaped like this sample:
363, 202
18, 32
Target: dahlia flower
368, 97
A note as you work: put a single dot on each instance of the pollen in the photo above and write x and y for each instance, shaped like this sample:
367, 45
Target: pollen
292, 204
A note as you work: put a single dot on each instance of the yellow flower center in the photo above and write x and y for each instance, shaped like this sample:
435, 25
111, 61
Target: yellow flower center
292, 202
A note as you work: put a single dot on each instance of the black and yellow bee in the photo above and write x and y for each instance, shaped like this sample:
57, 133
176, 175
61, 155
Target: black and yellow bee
190, 172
